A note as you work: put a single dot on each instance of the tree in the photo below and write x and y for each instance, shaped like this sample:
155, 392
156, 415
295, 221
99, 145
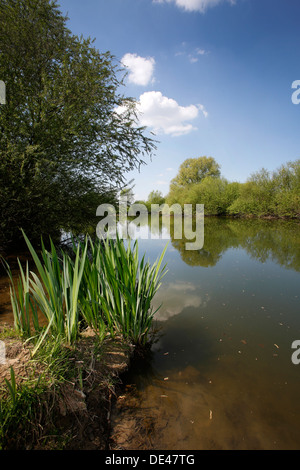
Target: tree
155, 197
194, 170
256, 196
67, 134
212, 193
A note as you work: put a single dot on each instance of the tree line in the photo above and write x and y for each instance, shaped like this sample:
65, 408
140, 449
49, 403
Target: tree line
264, 194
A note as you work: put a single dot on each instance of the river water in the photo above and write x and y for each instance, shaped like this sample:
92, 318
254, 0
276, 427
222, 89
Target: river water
220, 374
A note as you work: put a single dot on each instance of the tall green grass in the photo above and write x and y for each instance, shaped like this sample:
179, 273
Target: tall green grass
101, 284
23, 305
128, 288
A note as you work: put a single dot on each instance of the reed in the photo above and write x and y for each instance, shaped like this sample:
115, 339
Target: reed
103, 285
23, 306
128, 288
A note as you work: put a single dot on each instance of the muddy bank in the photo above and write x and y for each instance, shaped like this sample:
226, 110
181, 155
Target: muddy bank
74, 413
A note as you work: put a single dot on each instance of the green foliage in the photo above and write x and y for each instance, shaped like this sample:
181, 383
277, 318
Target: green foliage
154, 197
103, 285
128, 288
178, 195
63, 147
210, 192
194, 170
287, 184
217, 194
263, 194
27, 405
23, 306
17, 411
187, 187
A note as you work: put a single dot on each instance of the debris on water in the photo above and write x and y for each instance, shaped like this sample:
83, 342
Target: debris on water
276, 345
210, 414
243, 341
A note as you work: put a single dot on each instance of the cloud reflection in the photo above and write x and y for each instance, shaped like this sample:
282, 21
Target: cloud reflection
174, 297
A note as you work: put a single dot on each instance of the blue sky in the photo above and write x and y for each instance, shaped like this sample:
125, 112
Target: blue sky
212, 77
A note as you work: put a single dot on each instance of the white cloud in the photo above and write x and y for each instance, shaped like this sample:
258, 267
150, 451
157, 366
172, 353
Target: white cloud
194, 55
202, 108
164, 115
201, 51
195, 5
141, 69
162, 183
193, 59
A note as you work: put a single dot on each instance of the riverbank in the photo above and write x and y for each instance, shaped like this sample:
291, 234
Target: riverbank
62, 399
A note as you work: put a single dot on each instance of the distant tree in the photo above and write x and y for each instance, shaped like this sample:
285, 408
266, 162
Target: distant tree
212, 192
156, 197
186, 187
256, 196
194, 170
67, 134
287, 185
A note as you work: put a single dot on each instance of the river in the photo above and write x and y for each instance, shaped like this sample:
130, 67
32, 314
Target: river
220, 374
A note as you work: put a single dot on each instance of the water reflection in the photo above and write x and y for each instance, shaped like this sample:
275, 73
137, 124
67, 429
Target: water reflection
220, 375
180, 294
276, 240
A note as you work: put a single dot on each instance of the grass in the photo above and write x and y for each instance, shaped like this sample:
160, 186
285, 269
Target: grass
50, 399
102, 284
127, 288
16, 411
27, 395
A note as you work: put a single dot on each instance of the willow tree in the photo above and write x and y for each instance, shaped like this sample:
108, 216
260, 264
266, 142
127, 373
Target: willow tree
64, 145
